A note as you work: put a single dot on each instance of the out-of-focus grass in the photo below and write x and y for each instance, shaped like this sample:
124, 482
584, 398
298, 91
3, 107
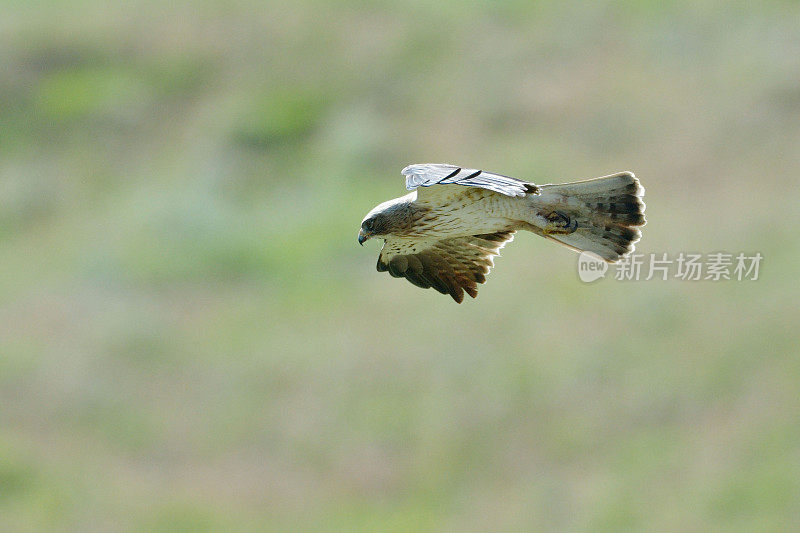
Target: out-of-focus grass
190, 337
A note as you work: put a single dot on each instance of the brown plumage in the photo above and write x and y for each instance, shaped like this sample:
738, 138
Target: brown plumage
451, 266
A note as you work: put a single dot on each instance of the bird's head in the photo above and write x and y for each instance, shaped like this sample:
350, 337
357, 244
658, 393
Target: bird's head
383, 219
373, 225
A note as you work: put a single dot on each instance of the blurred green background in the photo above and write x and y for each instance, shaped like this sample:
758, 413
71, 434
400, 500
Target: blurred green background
191, 338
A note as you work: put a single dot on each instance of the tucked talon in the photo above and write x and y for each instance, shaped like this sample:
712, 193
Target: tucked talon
561, 223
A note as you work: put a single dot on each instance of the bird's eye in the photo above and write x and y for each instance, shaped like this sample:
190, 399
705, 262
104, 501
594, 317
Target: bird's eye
368, 225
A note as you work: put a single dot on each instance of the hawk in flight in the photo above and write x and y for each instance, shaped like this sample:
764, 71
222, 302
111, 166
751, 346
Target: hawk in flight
446, 232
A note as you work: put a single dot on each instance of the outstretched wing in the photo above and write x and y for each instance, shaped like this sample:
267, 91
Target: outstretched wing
428, 174
451, 266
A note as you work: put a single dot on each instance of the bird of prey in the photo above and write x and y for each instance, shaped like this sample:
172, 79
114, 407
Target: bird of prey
446, 232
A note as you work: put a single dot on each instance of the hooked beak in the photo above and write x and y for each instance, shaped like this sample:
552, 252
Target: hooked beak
363, 236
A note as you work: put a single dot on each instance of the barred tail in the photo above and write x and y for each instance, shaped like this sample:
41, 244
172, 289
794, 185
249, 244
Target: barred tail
600, 215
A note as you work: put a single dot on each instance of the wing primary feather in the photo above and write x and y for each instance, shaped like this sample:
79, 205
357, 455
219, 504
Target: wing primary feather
398, 265
417, 279
433, 274
457, 294
453, 173
414, 264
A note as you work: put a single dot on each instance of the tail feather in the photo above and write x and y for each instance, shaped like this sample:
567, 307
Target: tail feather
600, 215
